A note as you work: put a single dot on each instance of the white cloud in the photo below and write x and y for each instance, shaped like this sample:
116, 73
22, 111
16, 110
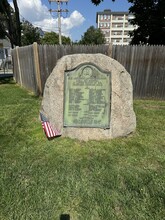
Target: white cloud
37, 13
74, 20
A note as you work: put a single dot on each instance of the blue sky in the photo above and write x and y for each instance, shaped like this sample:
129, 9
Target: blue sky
82, 14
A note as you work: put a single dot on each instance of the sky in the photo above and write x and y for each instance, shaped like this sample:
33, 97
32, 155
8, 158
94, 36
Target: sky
81, 15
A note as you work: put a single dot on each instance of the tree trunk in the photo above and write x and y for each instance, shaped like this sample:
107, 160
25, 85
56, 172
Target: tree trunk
11, 25
18, 23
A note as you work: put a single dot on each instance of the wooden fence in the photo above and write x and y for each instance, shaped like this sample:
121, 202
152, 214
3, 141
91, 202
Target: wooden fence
146, 64
33, 64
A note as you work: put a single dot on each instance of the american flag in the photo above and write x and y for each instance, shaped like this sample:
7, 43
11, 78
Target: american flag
49, 131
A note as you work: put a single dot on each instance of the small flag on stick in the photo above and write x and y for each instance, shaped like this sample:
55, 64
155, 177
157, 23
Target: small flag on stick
49, 131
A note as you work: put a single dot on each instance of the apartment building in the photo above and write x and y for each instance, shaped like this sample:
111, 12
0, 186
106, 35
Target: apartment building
115, 26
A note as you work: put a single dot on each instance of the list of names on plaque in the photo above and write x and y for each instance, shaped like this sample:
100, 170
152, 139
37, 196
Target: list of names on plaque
87, 97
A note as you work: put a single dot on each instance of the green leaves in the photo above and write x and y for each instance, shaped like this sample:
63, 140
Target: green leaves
97, 2
149, 17
53, 38
92, 36
30, 34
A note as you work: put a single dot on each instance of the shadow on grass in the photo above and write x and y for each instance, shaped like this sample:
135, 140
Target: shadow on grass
64, 217
6, 80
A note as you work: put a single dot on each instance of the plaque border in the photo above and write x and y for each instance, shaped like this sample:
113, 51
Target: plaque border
110, 92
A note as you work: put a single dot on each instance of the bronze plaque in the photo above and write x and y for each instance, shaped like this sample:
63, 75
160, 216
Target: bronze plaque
87, 97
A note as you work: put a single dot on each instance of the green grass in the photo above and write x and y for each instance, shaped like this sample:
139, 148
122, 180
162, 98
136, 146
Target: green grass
122, 178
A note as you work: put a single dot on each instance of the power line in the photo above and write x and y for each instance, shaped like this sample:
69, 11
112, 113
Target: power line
23, 19
59, 11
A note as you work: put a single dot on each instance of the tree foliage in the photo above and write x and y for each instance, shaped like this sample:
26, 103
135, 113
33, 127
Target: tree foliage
66, 40
10, 25
150, 19
97, 2
53, 38
92, 36
30, 34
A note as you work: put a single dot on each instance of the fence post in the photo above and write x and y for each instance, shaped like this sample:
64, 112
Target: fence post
19, 68
37, 67
110, 50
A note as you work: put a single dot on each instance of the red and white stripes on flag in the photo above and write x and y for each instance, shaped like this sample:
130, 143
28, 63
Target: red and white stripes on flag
49, 131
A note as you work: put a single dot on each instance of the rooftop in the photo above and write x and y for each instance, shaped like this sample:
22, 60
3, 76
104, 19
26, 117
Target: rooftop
109, 12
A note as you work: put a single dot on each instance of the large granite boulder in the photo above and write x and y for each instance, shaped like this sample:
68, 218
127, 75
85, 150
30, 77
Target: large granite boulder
122, 119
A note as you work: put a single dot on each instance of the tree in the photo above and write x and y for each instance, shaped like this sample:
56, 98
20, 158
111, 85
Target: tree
30, 34
66, 40
53, 38
50, 38
92, 36
150, 19
97, 2
10, 25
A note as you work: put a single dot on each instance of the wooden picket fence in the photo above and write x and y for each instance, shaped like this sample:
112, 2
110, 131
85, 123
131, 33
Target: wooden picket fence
146, 64
33, 64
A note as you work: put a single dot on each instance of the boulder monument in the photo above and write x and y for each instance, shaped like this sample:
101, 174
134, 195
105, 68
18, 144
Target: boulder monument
89, 96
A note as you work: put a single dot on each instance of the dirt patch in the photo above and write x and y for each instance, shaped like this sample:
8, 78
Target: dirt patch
153, 107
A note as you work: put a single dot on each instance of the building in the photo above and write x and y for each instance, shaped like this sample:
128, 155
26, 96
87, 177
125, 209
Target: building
115, 26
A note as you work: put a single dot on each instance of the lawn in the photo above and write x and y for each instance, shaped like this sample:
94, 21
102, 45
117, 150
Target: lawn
122, 178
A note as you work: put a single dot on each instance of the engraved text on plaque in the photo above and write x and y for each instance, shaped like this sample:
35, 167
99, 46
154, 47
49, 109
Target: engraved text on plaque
87, 97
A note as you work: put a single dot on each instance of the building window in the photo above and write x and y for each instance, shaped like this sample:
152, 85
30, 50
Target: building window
114, 17
120, 18
120, 25
105, 17
101, 17
117, 25
116, 33
107, 33
126, 33
116, 40
125, 40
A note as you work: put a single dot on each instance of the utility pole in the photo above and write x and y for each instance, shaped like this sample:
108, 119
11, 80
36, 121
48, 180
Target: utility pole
59, 11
